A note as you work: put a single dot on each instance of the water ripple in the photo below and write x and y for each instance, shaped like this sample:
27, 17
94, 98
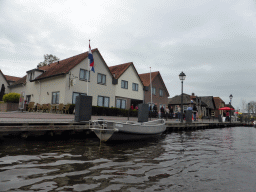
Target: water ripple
207, 160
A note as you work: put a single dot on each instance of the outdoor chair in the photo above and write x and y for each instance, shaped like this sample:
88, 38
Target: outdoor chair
54, 107
31, 106
44, 107
60, 108
38, 107
66, 108
49, 107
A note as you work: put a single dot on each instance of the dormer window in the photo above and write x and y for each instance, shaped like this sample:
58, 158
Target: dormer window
34, 73
30, 76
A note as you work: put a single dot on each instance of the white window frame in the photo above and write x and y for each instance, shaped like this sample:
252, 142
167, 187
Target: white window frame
153, 91
161, 92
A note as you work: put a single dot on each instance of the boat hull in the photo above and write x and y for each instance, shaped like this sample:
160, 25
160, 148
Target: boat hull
111, 131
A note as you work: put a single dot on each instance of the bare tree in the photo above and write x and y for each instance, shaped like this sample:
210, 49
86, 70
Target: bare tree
48, 59
244, 106
251, 107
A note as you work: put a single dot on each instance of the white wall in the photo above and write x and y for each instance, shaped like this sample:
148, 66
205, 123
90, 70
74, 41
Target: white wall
131, 76
3, 81
94, 89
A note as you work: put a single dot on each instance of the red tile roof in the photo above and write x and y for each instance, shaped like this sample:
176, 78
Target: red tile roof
64, 66
12, 78
145, 77
22, 80
118, 70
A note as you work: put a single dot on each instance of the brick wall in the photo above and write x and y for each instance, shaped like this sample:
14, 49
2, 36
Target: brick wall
157, 83
9, 107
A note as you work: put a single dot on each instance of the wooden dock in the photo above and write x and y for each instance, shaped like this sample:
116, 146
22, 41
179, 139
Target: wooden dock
68, 128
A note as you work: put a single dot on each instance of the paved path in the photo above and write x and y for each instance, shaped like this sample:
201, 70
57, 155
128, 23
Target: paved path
17, 116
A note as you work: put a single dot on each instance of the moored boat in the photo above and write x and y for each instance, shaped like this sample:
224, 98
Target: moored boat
114, 131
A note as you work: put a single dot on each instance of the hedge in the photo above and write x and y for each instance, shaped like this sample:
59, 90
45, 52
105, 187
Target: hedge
11, 98
105, 111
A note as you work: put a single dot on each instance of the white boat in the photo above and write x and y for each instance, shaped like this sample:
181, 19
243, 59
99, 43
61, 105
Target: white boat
113, 131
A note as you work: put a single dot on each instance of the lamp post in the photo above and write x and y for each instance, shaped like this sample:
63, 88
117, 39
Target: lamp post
230, 97
182, 77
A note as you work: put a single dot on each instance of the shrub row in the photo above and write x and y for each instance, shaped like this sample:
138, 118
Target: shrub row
11, 98
105, 111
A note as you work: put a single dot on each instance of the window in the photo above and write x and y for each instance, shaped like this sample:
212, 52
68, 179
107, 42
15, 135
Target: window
153, 90
28, 98
84, 75
101, 79
30, 76
75, 94
103, 101
121, 103
185, 107
124, 84
135, 87
55, 97
161, 92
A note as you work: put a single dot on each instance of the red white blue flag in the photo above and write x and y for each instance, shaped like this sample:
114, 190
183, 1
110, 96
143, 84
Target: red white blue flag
91, 60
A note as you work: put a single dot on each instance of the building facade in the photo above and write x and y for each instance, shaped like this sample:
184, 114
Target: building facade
159, 92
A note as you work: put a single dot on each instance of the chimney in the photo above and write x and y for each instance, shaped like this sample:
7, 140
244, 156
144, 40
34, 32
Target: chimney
193, 94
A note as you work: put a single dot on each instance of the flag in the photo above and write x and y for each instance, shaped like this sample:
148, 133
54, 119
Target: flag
91, 60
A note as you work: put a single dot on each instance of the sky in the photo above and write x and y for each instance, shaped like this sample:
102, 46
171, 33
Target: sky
213, 42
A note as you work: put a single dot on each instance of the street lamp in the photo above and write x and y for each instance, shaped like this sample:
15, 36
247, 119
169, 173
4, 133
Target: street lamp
230, 97
182, 77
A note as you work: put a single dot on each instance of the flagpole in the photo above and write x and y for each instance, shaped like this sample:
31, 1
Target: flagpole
151, 88
88, 69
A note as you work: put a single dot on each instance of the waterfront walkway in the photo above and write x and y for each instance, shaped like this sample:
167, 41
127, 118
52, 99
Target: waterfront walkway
29, 117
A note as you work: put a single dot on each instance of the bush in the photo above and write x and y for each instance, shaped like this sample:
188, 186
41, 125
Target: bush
105, 111
11, 98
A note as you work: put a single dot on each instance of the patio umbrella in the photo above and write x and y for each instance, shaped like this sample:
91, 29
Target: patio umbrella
226, 108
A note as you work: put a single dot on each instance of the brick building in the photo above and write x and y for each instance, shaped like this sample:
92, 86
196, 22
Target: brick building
160, 93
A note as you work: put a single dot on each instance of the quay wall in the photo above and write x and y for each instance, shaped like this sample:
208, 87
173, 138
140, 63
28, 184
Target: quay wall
4, 107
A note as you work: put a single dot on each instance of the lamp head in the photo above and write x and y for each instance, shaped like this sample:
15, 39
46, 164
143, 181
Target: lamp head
182, 76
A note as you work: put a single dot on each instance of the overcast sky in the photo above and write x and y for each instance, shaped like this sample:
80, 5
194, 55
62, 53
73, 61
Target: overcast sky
212, 42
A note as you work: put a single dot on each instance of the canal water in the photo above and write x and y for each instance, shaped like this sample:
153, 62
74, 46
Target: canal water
202, 160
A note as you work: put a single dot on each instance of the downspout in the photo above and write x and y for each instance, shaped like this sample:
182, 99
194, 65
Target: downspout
39, 90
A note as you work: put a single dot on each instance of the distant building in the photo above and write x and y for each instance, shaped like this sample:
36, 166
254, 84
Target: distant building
160, 93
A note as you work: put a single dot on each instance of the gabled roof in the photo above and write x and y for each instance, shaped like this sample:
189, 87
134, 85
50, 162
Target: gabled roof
12, 78
218, 101
209, 101
4, 76
118, 70
176, 100
20, 81
64, 66
145, 77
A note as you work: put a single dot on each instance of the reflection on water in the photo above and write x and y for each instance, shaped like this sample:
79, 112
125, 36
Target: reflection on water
214, 159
